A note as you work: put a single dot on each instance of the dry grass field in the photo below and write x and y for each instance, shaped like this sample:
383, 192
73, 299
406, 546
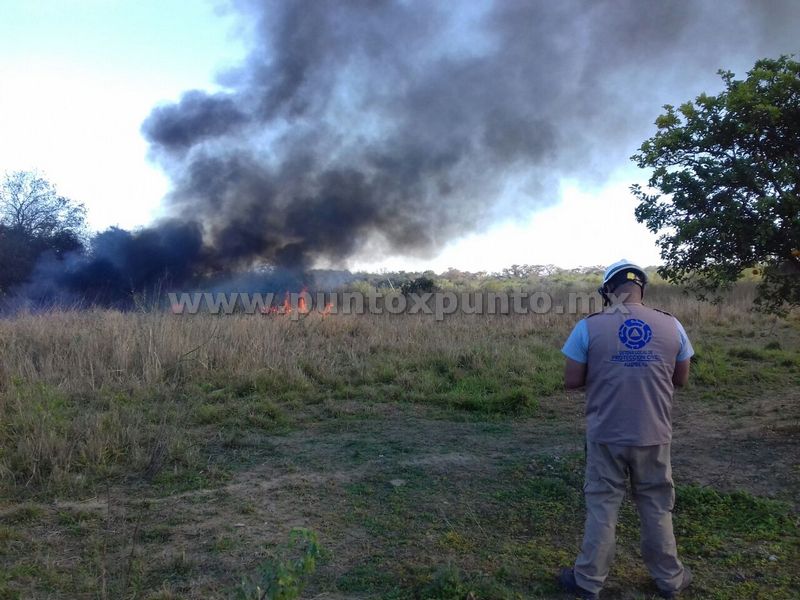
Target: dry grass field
152, 455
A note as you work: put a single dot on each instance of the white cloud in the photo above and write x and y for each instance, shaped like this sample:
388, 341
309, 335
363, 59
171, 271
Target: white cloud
583, 229
82, 132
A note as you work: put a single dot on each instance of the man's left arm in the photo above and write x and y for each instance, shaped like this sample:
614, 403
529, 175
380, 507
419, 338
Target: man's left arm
576, 350
574, 374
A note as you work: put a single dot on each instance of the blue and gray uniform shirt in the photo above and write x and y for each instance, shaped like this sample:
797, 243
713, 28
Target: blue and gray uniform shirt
630, 359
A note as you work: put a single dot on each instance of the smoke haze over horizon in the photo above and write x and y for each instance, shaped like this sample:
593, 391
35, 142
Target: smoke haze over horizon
362, 129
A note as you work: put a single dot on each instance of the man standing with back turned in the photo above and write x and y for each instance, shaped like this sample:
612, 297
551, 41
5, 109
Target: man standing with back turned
630, 358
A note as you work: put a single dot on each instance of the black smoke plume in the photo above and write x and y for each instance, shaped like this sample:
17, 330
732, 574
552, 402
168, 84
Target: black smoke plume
361, 128
394, 126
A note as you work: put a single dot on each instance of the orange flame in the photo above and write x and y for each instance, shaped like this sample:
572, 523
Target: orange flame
302, 307
285, 308
287, 305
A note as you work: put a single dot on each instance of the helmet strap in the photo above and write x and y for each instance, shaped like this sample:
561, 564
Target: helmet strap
604, 291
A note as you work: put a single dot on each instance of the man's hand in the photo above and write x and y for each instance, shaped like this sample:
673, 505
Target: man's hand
574, 374
681, 373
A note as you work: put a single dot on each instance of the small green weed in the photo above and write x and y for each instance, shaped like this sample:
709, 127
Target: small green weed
284, 579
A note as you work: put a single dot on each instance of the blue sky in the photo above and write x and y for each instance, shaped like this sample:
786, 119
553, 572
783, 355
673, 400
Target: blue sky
78, 77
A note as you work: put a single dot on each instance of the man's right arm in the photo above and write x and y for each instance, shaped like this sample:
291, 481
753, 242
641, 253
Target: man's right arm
680, 376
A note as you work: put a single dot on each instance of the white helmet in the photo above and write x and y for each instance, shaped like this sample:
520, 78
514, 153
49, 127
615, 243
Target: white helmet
621, 266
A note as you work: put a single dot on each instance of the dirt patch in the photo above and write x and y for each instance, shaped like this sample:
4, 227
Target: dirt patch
711, 447
732, 445
340, 478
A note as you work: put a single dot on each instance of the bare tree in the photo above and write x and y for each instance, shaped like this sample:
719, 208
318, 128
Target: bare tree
31, 204
35, 221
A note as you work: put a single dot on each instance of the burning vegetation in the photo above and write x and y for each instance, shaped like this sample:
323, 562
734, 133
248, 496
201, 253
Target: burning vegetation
376, 128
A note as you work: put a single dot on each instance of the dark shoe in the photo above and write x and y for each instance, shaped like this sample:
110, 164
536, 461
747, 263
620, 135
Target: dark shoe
566, 579
687, 581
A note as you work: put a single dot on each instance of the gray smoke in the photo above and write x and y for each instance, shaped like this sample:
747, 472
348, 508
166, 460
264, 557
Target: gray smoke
395, 126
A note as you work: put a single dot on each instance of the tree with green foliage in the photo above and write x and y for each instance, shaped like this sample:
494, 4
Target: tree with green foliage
726, 176
421, 285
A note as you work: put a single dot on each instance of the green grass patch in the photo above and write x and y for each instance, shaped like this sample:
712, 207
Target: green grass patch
707, 522
731, 371
25, 514
510, 534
